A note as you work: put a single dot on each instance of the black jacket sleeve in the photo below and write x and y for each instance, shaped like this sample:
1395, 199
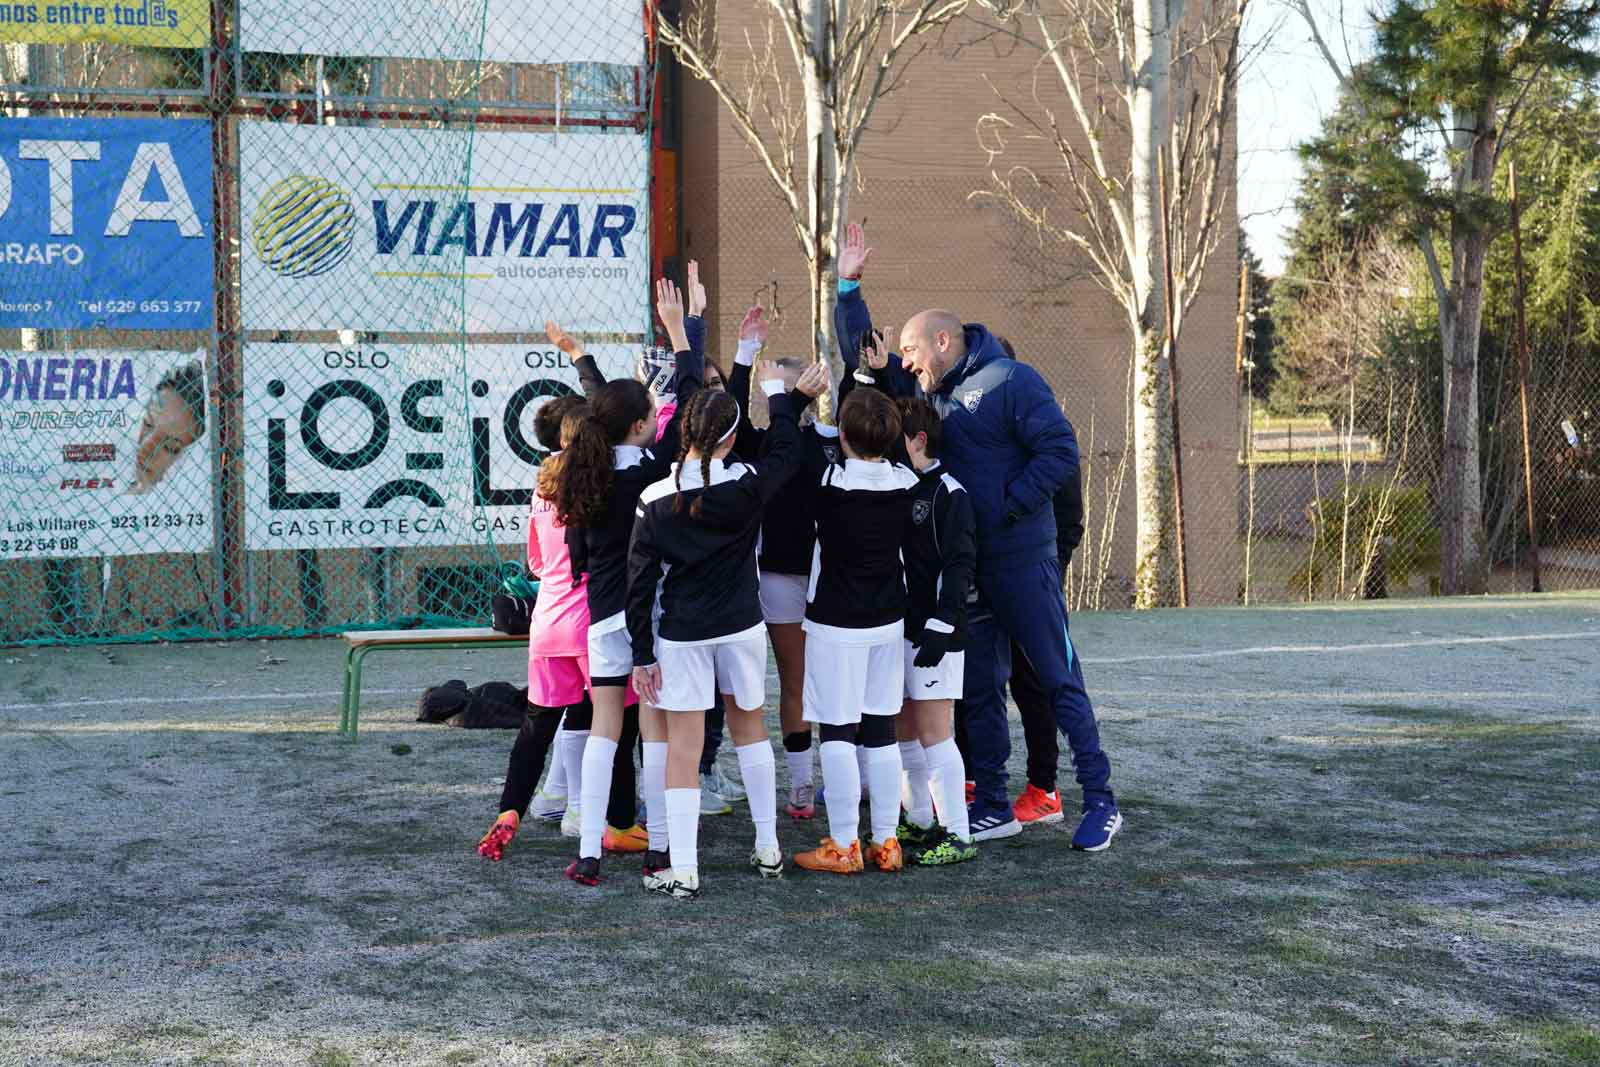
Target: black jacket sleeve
589, 375
644, 573
958, 554
690, 375
578, 551
750, 437
733, 504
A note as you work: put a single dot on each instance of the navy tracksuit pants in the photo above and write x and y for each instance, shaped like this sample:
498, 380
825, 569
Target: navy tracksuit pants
1023, 604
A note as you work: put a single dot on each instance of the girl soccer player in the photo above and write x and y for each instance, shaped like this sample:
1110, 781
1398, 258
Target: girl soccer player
557, 642
855, 626
940, 552
607, 465
694, 613
788, 538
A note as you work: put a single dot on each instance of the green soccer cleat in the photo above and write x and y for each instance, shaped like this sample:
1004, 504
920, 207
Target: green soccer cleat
944, 849
913, 836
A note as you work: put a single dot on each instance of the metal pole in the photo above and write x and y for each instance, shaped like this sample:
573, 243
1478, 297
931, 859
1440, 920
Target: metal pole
1523, 358
1172, 376
228, 402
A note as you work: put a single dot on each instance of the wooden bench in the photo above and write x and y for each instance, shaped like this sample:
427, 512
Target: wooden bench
364, 642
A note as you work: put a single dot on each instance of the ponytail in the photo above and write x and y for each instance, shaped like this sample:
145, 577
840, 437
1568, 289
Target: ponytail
583, 479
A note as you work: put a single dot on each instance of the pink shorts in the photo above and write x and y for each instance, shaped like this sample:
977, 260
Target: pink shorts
556, 681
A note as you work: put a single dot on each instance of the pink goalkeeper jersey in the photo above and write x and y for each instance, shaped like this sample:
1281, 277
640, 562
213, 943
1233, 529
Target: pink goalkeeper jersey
560, 625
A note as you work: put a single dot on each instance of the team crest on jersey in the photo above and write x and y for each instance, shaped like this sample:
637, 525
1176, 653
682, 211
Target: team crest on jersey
971, 398
920, 511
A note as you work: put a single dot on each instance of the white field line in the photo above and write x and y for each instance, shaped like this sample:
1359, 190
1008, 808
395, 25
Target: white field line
1323, 650
1224, 653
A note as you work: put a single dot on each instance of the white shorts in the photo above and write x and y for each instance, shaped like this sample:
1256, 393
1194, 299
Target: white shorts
691, 675
783, 597
940, 682
844, 682
610, 653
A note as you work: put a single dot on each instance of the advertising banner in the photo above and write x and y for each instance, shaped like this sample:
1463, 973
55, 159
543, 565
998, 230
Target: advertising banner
496, 31
105, 453
383, 229
398, 445
154, 23
105, 223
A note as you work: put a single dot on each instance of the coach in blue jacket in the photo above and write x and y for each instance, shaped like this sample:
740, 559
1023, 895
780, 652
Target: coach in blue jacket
1007, 442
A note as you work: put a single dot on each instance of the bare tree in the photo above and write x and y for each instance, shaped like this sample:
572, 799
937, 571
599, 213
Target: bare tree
1121, 87
802, 95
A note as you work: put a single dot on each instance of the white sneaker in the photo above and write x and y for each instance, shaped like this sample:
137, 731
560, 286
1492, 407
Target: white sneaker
682, 885
732, 789
548, 807
711, 801
572, 822
768, 862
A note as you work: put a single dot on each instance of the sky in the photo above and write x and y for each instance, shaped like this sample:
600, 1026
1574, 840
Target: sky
1285, 90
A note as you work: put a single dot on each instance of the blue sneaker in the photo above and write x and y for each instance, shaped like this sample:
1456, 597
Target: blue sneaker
992, 825
1100, 824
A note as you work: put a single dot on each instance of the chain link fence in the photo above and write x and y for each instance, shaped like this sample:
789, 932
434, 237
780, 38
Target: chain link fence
276, 283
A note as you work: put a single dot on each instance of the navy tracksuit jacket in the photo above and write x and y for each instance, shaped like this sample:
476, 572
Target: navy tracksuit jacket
1007, 442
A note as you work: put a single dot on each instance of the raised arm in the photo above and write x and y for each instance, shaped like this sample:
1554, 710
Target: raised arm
752, 338
1044, 432
690, 373
852, 321
589, 375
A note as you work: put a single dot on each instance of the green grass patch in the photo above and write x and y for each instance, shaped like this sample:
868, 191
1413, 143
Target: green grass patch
1576, 1044
323, 1056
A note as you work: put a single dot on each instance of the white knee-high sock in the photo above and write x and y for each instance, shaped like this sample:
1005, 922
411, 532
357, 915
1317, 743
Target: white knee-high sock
598, 757
914, 790
861, 771
883, 790
948, 778
572, 746
683, 828
841, 777
555, 783
799, 767
654, 775
760, 774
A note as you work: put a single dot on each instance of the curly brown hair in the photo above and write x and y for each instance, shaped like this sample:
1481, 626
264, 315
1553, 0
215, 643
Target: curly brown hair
706, 421
584, 479
550, 471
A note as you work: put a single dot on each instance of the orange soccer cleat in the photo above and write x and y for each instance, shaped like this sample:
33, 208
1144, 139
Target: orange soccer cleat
1035, 807
887, 856
493, 844
833, 858
633, 839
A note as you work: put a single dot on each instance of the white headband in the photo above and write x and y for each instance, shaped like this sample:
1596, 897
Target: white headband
738, 414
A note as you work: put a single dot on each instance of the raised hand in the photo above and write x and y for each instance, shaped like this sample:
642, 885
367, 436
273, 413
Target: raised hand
669, 305
754, 327
813, 380
697, 292
563, 340
875, 351
855, 253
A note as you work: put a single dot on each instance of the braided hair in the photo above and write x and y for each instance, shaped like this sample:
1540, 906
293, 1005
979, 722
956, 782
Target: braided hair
706, 422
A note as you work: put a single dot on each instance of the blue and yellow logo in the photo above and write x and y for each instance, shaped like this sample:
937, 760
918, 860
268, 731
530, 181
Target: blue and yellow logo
304, 226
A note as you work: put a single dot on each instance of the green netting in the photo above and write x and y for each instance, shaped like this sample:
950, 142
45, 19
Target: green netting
294, 391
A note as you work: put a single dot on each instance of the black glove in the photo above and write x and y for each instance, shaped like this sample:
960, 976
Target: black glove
931, 649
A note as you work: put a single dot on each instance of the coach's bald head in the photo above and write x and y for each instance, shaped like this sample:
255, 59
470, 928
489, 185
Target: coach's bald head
931, 342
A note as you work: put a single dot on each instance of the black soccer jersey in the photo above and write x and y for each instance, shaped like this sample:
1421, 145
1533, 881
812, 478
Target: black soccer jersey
789, 529
701, 571
940, 553
863, 509
605, 542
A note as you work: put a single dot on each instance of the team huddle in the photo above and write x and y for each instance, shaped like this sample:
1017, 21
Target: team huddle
897, 560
